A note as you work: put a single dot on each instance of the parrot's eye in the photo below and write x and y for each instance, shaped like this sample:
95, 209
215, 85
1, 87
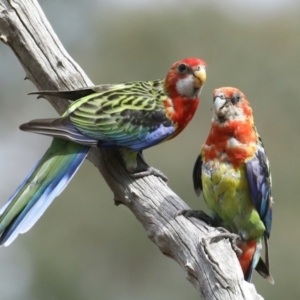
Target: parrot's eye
182, 68
235, 98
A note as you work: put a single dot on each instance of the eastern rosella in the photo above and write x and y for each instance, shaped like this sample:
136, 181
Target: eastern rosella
233, 173
131, 116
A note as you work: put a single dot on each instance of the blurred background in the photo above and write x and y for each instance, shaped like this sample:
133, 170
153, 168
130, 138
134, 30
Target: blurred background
84, 247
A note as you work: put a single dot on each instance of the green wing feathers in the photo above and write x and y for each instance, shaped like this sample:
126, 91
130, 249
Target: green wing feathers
130, 115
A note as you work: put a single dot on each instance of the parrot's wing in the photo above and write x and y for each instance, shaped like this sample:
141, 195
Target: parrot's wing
130, 115
74, 94
59, 128
259, 178
197, 175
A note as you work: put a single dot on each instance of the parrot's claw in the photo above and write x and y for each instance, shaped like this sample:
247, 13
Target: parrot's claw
150, 171
198, 214
233, 238
142, 169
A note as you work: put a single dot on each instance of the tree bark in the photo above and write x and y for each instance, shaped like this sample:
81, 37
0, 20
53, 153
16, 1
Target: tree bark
212, 268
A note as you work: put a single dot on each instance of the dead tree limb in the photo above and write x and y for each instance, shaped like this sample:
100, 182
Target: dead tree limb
213, 269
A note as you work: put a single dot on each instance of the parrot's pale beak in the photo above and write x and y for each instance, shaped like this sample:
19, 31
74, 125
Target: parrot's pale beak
219, 102
199, 77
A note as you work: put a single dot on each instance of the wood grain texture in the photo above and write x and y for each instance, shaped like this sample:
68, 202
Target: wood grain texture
212, 268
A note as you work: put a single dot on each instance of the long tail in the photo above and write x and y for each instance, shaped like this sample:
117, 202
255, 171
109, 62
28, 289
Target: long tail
250, 260
46, 180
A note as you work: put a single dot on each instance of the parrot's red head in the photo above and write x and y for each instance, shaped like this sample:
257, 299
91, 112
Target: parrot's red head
230, 104
232, 136
183, 85
186, 78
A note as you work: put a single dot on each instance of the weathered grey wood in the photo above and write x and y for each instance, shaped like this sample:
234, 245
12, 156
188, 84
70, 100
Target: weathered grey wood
213, 269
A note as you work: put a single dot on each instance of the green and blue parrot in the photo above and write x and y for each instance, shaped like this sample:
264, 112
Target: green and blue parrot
130, 116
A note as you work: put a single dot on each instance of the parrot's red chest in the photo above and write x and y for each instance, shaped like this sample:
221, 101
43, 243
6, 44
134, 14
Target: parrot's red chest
180, 111
233, 143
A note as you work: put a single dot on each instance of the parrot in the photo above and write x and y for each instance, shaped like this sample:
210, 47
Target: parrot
232, 171
130, 116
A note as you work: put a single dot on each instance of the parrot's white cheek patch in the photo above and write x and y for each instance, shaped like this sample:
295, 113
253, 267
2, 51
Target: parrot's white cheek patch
185, 86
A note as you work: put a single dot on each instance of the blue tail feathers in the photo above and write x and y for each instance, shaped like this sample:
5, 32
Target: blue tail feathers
48, 178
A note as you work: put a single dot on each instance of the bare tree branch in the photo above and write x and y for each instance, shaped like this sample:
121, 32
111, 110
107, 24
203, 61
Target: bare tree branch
213, 269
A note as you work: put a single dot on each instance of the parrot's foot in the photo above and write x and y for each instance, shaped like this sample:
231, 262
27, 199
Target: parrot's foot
139, 168
198, 214
149, 171
233, 238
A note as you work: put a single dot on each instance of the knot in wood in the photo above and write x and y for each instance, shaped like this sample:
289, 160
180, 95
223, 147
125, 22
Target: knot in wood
3, 38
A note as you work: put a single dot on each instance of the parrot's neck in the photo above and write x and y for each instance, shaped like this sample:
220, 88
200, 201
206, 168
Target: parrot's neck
180, 111
232, 142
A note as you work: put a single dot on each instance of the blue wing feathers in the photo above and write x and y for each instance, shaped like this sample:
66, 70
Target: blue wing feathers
138, 139
259, 180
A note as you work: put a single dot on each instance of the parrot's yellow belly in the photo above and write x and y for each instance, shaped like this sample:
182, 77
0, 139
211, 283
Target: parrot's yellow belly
226, 192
